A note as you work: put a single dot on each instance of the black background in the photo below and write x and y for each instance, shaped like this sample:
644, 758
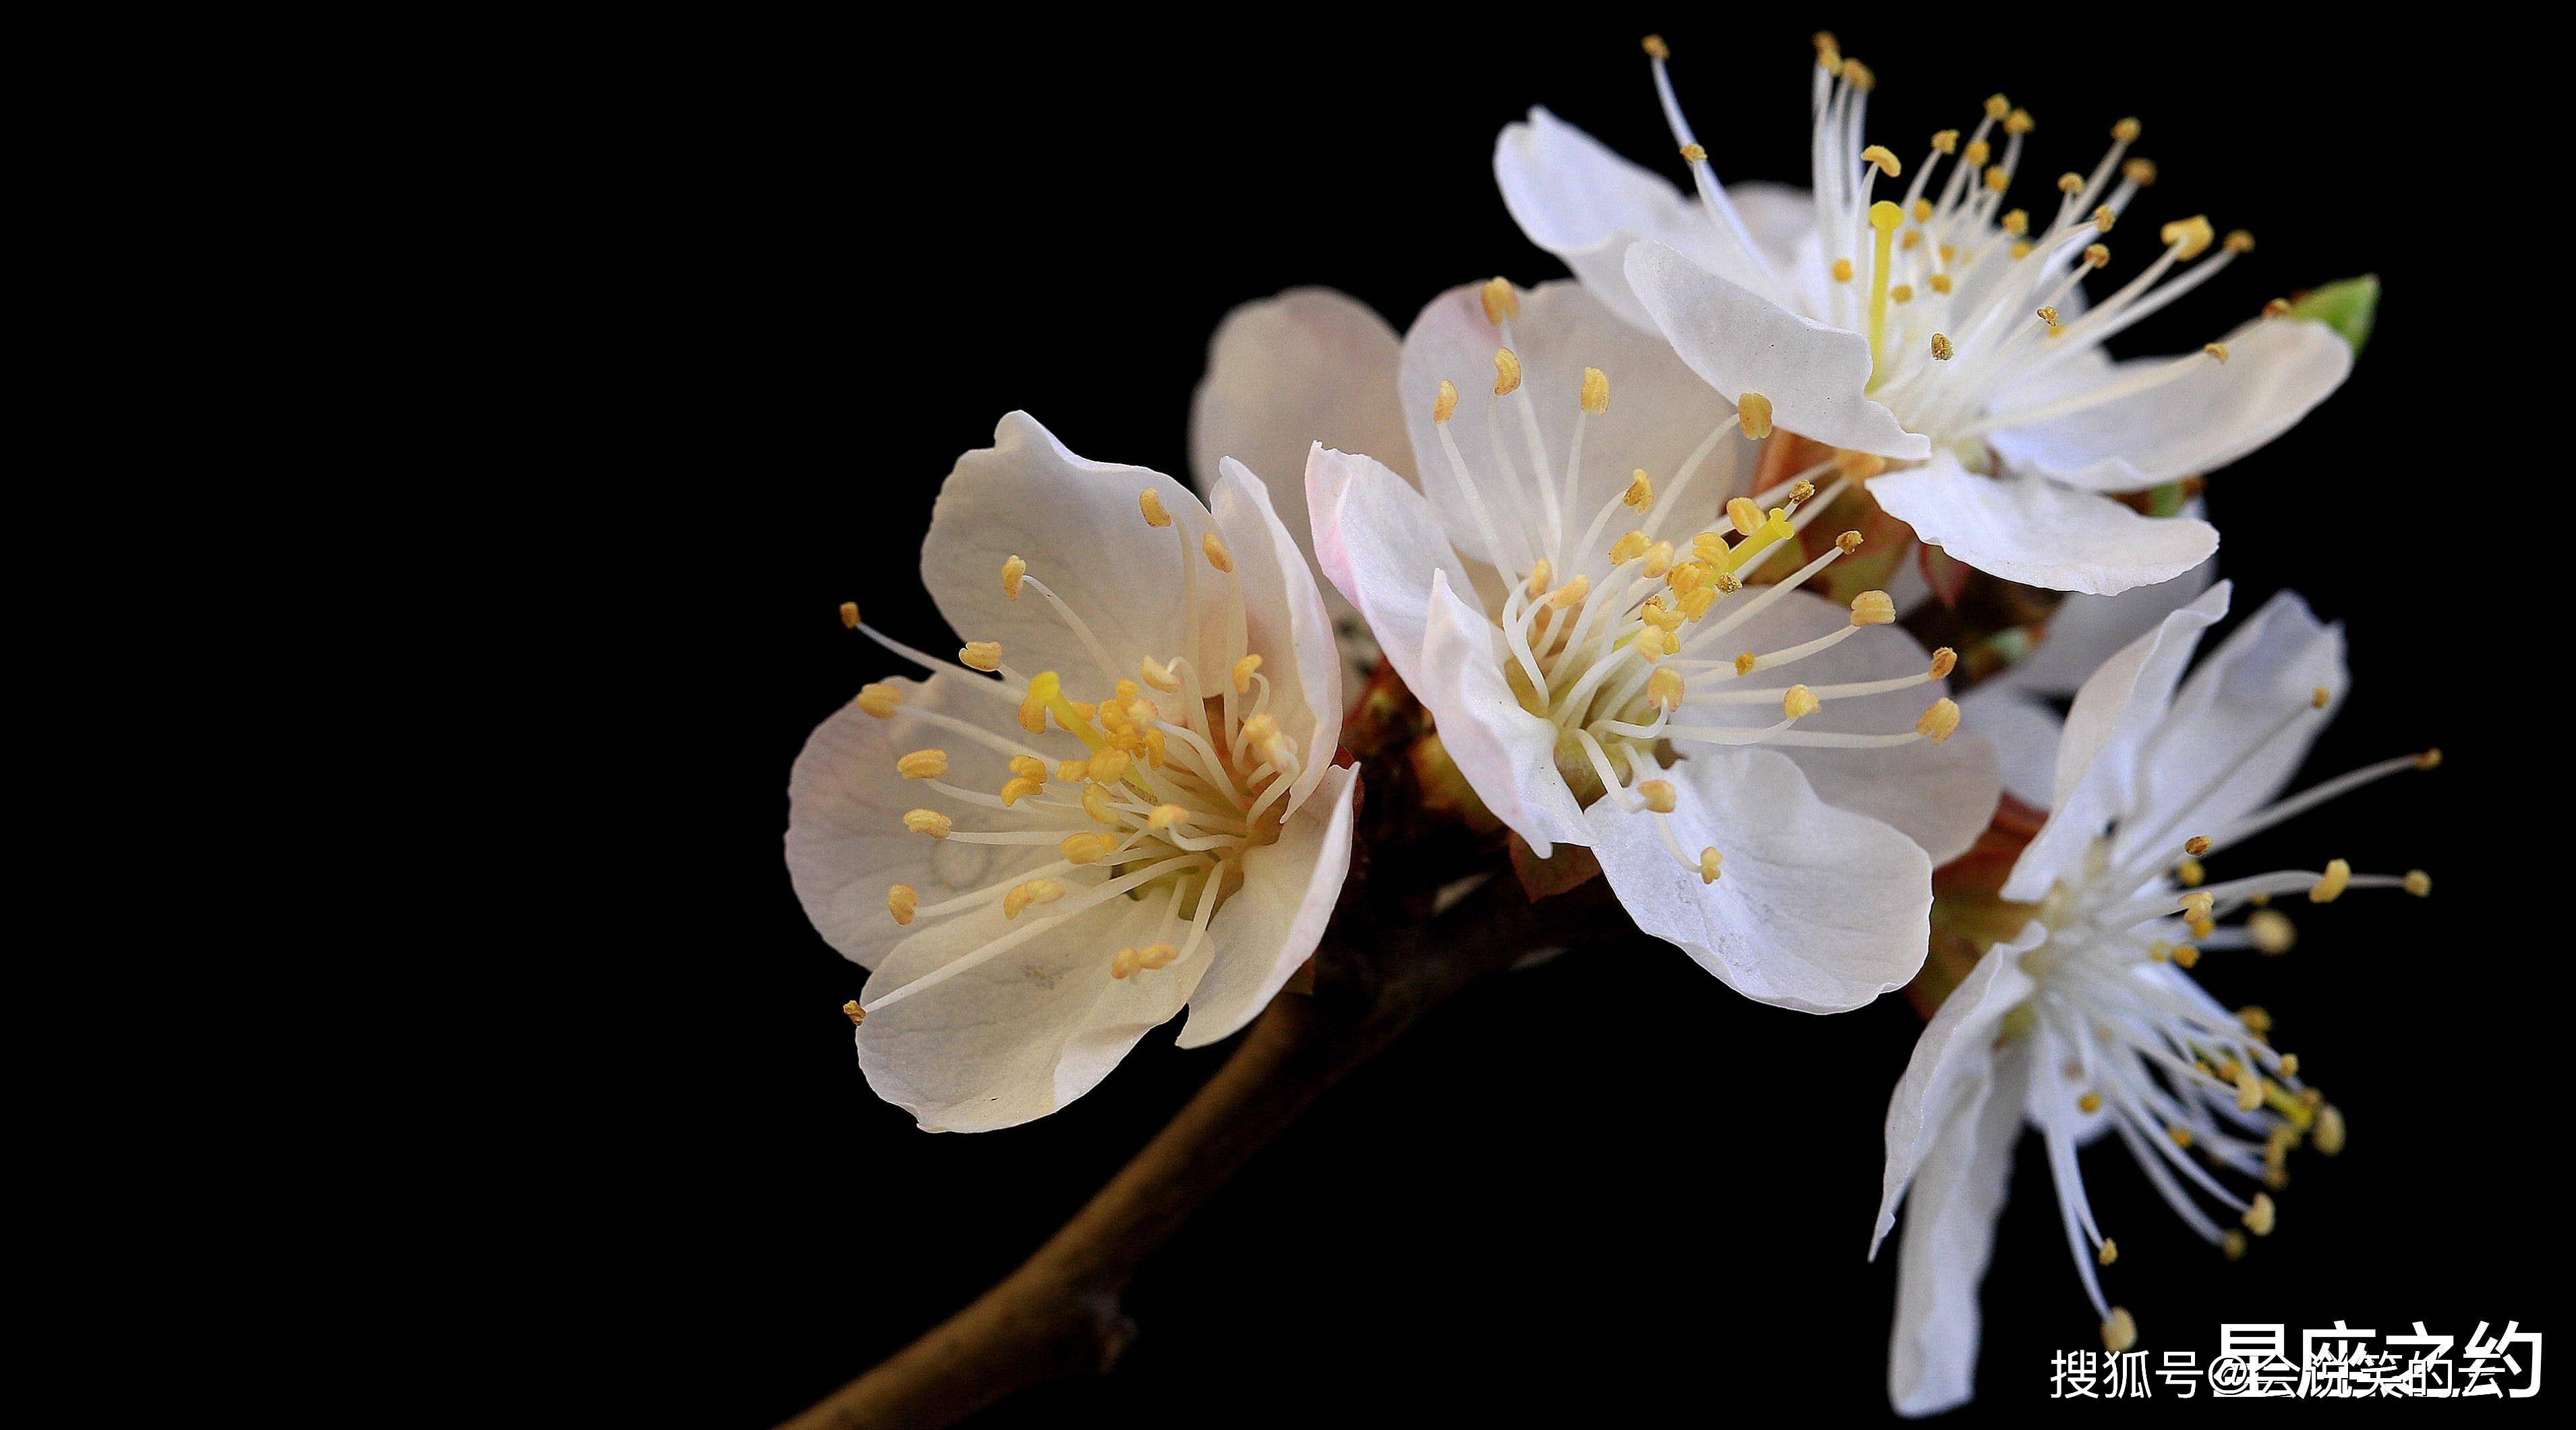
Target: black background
1609, 1182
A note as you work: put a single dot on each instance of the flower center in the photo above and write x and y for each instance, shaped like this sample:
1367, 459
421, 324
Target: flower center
1152, 792
1963, 300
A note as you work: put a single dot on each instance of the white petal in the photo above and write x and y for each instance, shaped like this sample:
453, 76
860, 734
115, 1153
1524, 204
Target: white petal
1659, 413
2032, 531
1377, 540
846, 844
2024, 735
1575, 198
1949, 1238
2228, 712
1285, 618
1077, 524
1814, 909
2085, 631
1025, 1032
1814, 375
2275, 372
1939, 796
1954, 1062
1269, 926
2098, 751
1308, 366
1506, 754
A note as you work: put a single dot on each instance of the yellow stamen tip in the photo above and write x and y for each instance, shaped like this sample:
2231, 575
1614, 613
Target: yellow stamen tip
2109, 1252
1709, 859
880, 700
1657, 49
1445, 406
2329, 1129
1034, 891
1694, 153
1944, 661
1596, 391
923, 765
1798, 702
1753, 410
2419, 883
1939, 721
2261, 1216
850, 615
2271, 931
2219, 351
1217, 555
1507, 372
1641, 492
1089, 848
1151, 503
1659, 795
981, 655
1013, 571
1889, 165
2328, 889
2191, 237
1941, 348
1872, 608
2120, 1332
1842, 270
857, 1014
928, 821
2127, 131
1501, 303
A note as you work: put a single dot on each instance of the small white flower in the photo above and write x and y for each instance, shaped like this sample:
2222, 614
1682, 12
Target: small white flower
1965, 320
1576, 605
2087, 1021
1036, 878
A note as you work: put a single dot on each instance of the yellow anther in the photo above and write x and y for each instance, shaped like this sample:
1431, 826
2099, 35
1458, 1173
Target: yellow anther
1842, 270
1998, 179
1859, 466
1109, 764
928, 821
1028, 765
1507, 372
2238, 241
2419, 883
2289, 1064
2329, 1129
1942, 282
2120, 1332
2017, 222
2219, 351
2090, 1102
1859, 76
2103, 218
1044, 690
2019, 122
1709, 860
1922, 210
901, 901
1020, 787
1156, 955
1798, 702
1658, 795
2331, 887
1657, 49
2429, 760
857, 1014
2318, 697
880, 700
1872, 608
1976, 154
1641, 492
2189, 873
2126, 131
1445, 406
1164, 816
1122, 963
1747, 663
2021, 249
1217, 555
1754, 411
2097, 255
1941, 348
1804, 491
1848, 542
850, 614
1694, 154
981, 655
2108, 1252
1073, 771
2276, 308
1944, 661
1697, 603
2232, 1245
1945, 141
1013, 571
1939, 721
1628, 548
1088, 848
1596, 391
2271, 931
2257, 1020
2141, 172
1034, 891
1159, 675
2198, 905
2260, 1217
2249, 1090
2181, 1137
1887, 163
1501, 303
1744, 516
2070, 183
1997, 106
1540, 575
2190, 237
2048, 315
1243, 670
922, 765
1151, 503
1664, 689
1901, 293
1097, 801
1571, 593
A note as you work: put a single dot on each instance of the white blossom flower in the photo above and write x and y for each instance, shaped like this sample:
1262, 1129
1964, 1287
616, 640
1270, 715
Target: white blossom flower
1578, 607
1036, 879
1966, 321
2088, 1021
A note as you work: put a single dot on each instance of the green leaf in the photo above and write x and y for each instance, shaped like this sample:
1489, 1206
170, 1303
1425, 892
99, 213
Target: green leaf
2347, 307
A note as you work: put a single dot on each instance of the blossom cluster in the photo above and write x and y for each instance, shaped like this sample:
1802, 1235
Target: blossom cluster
1649, 547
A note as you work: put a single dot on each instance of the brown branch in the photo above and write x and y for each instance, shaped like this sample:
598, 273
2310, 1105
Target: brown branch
1057, 1317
